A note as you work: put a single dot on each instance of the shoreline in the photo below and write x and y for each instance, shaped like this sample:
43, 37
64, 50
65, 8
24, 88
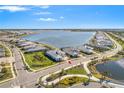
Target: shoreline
107, 77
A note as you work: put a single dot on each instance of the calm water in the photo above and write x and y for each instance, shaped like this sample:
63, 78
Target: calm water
116, 69
61, 38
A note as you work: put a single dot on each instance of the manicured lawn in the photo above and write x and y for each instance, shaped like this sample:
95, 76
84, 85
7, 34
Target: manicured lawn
76, 70
5, 73
115, 58
37, 60
22, 35
67, 82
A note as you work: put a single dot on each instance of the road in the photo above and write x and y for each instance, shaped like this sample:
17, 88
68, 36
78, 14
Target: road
29, 79
90, 85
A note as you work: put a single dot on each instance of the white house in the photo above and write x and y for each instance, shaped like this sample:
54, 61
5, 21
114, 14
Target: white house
73, 52
56, 55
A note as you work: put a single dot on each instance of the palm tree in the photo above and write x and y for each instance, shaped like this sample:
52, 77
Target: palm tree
53, 85
62, 72
104, 74
89, 77
104, 59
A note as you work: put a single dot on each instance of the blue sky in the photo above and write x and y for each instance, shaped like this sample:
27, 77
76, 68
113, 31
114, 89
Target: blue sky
61, 16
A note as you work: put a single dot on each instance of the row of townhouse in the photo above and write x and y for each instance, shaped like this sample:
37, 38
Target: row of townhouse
56, 54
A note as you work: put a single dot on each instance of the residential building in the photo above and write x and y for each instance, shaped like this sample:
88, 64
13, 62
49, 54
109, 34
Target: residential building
23, 44
72, 52
56, 55
86, 49
37, 48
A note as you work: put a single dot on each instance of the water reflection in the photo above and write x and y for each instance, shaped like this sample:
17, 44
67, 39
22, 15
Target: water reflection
61, 38
115, 68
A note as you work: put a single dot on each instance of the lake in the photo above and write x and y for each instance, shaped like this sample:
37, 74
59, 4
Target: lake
115, 69
61, 39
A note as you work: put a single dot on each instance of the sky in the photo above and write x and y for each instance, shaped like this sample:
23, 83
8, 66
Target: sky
61, 16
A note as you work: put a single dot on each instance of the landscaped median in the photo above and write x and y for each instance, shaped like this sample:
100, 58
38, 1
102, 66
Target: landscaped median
6, 72
66, 77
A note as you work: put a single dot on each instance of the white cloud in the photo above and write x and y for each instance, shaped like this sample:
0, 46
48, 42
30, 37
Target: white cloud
61, 17
43, 13
48, 19
13, 8
44, 6
51, 19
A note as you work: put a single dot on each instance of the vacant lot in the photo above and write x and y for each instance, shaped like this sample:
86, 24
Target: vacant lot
76, 70
5, 73
67, 82
37, 60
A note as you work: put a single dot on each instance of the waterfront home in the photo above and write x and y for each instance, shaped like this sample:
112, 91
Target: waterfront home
86, 49
56, 55
19, 40
23, 44
29, 47
36, 49
109, 43
72, 52
102, 41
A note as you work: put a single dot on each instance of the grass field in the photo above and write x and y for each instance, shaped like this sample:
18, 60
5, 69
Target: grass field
67, 82
5, 73
76, 70
37, 60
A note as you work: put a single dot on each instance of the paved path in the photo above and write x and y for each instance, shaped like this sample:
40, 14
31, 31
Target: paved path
63, 77
90, 85
7, 59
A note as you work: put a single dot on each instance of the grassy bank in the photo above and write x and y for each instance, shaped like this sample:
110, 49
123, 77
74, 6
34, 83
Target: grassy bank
93, 70
37, 60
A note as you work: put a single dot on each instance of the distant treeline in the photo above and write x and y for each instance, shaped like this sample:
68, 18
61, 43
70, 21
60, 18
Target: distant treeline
88, 30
